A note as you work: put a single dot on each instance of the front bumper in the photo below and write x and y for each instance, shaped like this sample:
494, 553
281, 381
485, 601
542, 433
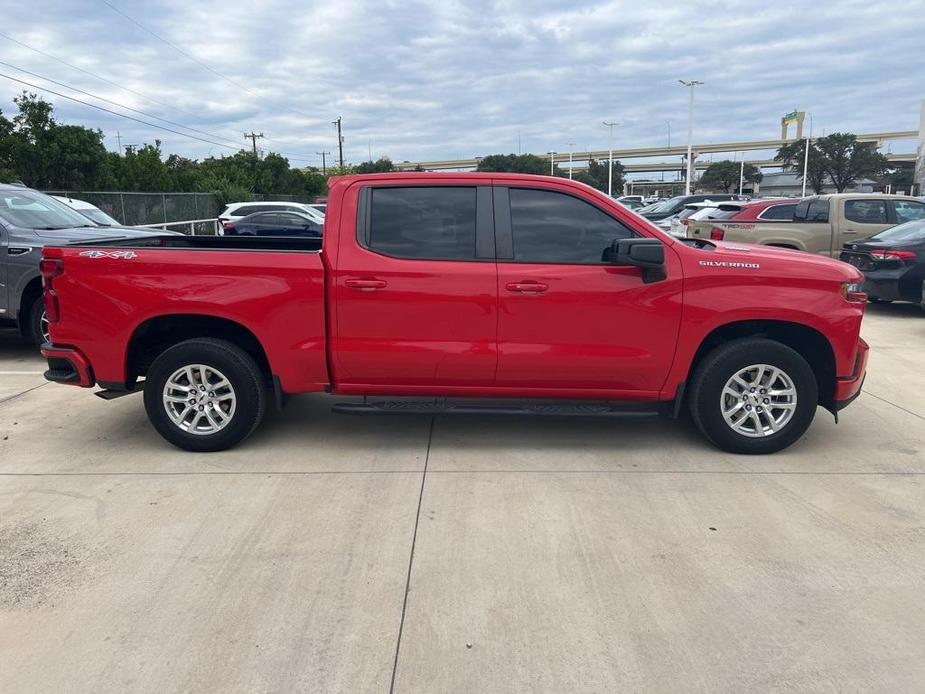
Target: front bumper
847, 389
67, 365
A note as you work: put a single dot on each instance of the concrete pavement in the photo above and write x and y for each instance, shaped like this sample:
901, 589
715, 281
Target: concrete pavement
548, 555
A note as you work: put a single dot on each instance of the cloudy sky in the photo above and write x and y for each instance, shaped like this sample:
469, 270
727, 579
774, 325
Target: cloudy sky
445, 79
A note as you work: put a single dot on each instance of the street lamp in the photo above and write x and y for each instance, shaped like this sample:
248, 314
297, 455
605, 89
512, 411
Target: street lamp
552, 163
570, 145
690, 84
610, 160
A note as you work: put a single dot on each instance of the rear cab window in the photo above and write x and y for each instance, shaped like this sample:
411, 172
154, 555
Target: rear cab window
420, 222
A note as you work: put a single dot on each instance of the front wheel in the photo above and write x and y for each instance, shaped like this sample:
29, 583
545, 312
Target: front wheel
204, 394
753, 396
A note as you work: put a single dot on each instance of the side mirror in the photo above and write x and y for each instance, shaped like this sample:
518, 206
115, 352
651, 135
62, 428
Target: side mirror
648, 254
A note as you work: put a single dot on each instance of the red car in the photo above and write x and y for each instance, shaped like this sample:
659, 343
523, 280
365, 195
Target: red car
537, 293
775, 209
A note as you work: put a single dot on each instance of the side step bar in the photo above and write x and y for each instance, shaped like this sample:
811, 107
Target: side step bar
527, 408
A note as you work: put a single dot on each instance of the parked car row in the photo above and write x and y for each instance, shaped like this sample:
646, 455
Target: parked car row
271, 219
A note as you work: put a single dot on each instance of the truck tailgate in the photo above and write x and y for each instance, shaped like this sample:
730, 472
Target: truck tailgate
106, 293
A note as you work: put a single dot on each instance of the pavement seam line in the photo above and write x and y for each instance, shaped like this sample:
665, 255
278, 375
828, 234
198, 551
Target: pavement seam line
11, 398
414, 539
899, 407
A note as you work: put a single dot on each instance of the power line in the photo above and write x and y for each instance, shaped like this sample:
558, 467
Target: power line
131, 118
114, 103
95, 76
190, 57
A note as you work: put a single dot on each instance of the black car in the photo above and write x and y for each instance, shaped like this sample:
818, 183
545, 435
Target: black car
280, 223
667, 208
893, 262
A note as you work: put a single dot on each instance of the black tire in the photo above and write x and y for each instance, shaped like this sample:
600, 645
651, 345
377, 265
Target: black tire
712, 375
34, 321
238, 367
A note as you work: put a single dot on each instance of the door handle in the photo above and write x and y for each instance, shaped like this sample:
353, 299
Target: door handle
526, 287
365, 285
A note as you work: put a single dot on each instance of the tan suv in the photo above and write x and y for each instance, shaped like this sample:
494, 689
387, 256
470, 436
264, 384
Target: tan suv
821, 223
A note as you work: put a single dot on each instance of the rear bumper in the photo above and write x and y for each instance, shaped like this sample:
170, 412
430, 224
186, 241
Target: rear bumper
67, 365
847, 389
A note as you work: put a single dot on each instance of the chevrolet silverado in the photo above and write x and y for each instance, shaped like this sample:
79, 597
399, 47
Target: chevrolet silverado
465, 292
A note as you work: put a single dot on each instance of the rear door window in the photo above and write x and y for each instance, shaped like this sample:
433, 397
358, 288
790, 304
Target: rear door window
435, 223
866, 211
814, 210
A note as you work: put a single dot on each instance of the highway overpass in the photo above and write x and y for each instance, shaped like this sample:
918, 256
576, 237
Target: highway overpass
643, 152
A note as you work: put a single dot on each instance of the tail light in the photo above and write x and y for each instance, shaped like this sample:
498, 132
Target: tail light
854, 292
51, 268
685, 221
717, 234
891, 255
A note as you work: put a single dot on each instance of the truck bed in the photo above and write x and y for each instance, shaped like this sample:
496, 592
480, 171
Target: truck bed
114, 295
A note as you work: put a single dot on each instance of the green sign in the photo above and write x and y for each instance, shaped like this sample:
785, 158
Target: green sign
792, 116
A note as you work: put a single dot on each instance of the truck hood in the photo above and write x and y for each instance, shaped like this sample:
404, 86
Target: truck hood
730, 252
95, 234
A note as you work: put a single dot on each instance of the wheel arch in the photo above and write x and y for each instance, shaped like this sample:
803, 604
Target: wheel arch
158, 333
30, 292
811, 344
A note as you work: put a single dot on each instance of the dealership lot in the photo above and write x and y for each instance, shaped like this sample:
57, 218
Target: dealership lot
548, 554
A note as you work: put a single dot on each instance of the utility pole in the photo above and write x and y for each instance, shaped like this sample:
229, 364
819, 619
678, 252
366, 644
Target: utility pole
806, 155
690, 84
252, 136
340, 142
570, 146
119, 140
610, 160
742, 173
324, 163
552, 163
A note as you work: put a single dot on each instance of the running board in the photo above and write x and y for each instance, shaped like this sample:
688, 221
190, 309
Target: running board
551, 409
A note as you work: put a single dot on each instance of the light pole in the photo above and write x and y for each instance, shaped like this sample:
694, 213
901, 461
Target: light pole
570, 145
668, 123
552, 163
806, 155
610, 160
690, 84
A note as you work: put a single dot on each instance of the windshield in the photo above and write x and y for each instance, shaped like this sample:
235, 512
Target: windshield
32, 210
96, 215
904, 233
665, 205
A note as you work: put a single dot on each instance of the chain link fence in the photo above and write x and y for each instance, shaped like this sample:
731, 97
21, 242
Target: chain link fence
135, 209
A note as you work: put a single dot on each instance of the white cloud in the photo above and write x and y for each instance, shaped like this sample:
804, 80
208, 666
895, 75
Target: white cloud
426, 80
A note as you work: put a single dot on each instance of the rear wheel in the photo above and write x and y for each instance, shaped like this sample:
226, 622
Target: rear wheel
753, 396
38, 322
204, 394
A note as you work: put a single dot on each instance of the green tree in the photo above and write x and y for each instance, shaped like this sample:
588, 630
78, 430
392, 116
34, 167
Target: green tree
517, 163
838, 157
382, 165
598, 171
725, 174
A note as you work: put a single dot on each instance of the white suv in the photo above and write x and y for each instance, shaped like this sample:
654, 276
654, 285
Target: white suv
238, 210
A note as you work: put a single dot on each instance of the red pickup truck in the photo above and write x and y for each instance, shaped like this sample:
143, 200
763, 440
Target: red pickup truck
470, 292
